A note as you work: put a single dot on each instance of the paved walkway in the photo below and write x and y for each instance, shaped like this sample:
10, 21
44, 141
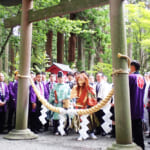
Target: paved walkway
47, 141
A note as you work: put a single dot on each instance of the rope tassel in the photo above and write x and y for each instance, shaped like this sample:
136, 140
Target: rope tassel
84, 127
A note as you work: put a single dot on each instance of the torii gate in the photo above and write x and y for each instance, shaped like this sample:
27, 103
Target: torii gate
118, 38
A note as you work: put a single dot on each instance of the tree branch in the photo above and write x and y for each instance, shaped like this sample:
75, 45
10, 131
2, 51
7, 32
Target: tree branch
6, 41
10, 2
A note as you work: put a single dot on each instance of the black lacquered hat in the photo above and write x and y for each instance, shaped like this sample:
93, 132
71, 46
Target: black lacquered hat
60, 74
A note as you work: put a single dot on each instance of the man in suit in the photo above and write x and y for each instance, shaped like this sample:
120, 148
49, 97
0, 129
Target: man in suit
70, 81
102, 90
4, 97
50, 85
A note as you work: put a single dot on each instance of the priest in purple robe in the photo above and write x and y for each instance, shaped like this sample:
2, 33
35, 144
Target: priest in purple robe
137, 88
4, 97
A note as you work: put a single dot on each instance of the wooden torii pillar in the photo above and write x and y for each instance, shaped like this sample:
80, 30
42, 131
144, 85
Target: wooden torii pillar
21, 131
121, 83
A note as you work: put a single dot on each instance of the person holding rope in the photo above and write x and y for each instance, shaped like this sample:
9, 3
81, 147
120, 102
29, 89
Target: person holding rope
58, 96
85, 98
102, 90
50, 85
35, 104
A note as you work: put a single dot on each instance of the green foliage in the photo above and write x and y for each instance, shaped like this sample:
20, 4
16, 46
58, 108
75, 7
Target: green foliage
45, 3
67, 26
7, 77
146, 44
98, 43
138, 20
79, 66
6, 12
104, 68
40, 62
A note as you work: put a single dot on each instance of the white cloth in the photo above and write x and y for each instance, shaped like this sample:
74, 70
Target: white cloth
146, 117
103, 90
102, 93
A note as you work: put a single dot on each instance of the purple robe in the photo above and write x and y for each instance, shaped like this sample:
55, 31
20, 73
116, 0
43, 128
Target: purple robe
13, 86
15, 91
149, 99
33, 98
149, 92
5, 97
11, 90
49, 87
137, 87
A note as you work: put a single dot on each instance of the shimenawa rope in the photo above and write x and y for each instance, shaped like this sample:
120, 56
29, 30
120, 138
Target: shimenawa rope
77, 111
121, 71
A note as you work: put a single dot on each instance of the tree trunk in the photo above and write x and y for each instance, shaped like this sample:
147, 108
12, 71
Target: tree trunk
92, 55
49, 45
49, 36
1, 64
66, 49
92, 61
72, 47
11, 58
60, 47
99, 50
72, 43
81, 55
6, 58
130, 44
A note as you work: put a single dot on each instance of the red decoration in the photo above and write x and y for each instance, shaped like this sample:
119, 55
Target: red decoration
140, 82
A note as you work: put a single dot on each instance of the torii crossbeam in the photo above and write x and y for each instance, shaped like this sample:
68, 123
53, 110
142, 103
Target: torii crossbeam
118, 38
65, 7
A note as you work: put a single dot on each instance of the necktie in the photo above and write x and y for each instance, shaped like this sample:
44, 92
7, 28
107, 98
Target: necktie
40, 86
51, 86
97, 88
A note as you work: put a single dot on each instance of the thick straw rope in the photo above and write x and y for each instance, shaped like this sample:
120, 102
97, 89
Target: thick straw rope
126, 57
121, 71
43, 100
96, 107
23, 76
78, 111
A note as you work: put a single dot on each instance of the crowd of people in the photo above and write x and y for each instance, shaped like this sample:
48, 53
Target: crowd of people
81, 91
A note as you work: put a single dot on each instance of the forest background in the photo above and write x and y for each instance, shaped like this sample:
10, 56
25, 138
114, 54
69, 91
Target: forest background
81, 40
